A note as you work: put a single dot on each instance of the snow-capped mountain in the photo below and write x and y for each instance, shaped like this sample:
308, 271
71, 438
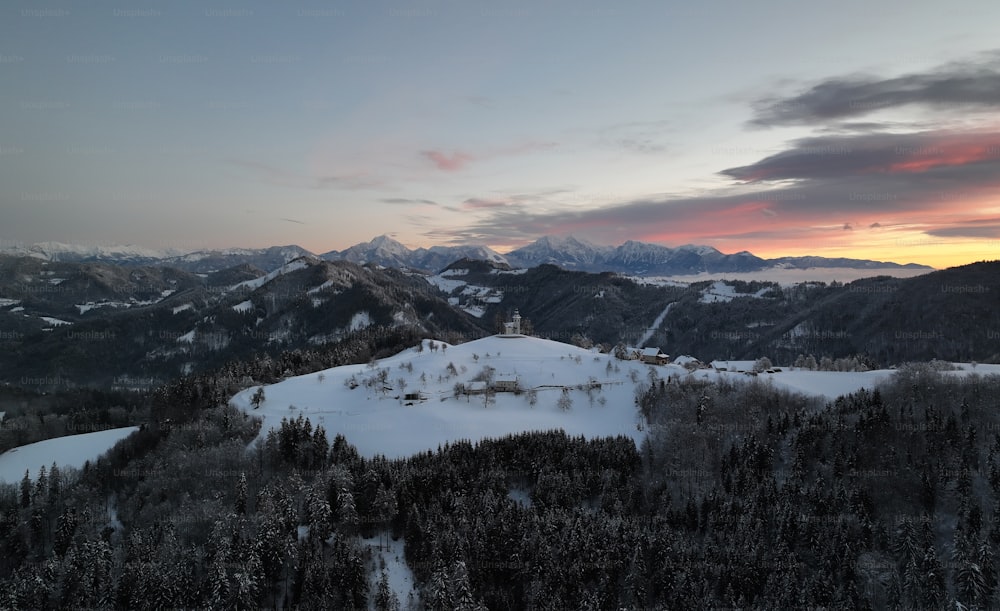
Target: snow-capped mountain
387, 252
58, 251
200, 261
206, 261
644, 259
569, 252
631, 258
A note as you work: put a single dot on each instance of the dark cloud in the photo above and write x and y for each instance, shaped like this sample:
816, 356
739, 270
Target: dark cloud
982, 228
476, 203
406, 201
866, 178
862, 154
970, 84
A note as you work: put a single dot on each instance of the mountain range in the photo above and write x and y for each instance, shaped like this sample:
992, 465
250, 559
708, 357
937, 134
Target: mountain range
65, 323
631, 258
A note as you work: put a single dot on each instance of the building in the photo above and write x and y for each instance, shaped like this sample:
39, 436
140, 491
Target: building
505, 383
734, 366
476, 388
513, 327
653, 356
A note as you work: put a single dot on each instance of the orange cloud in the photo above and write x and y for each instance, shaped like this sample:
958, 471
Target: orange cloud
945, 153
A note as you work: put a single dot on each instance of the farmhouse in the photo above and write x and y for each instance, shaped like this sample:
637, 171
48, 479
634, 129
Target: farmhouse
653, 356
476, 388
505, 383
734, 366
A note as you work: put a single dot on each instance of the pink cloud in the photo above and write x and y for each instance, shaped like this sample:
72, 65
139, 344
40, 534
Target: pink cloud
449, 163
457, 160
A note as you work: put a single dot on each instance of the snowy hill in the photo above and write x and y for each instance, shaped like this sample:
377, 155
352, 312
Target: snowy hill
424, 397
374, 416
69, 451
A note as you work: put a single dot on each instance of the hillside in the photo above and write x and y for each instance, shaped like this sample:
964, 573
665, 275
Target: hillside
69, 451
375, 417
424, 397
951, 314
65, 324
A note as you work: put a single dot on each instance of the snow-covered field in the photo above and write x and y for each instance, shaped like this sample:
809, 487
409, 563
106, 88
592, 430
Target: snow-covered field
256, 283
720, 291
379, 421
787, 276
69, 451
472, 299
369, 404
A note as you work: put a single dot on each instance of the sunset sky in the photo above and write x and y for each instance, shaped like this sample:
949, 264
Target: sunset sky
858, 129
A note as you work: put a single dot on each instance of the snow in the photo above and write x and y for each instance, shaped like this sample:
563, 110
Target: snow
243, 306
516, 272
52, 250
379, 423
474, 296
69, 451
90, 305
319, 288
360, 320
181, 308
445, 285
256, 283
734, 366
474, 310
54, 321
720, 291
8, 302
785, 276
685, 359
656, 325
828, 384
400, 577
187, 337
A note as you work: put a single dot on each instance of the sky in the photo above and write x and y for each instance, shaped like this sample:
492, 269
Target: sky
777, 127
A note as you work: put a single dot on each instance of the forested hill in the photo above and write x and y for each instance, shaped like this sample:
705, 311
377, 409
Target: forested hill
952, 314
743, 496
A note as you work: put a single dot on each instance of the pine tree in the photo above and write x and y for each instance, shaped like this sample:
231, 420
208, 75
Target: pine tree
55, 483
65, 528
26, 489
385, 598
241, 495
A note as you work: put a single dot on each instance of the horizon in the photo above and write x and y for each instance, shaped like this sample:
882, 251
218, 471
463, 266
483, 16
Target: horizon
442, 123
7, 245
